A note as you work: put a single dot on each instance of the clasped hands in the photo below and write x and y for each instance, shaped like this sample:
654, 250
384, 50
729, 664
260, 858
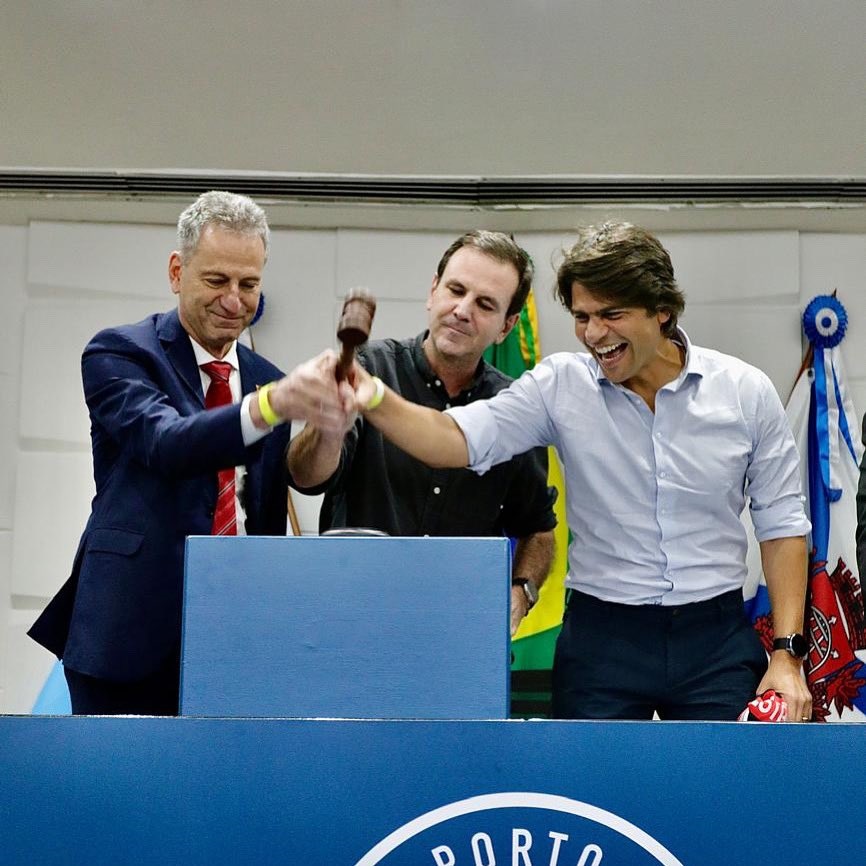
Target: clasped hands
312, 393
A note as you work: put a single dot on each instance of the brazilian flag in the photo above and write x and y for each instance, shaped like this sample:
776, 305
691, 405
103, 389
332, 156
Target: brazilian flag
532, 647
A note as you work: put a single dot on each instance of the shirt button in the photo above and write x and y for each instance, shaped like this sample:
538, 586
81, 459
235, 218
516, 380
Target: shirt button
662, 474
438, 382
436, 490
658, 435
447, 405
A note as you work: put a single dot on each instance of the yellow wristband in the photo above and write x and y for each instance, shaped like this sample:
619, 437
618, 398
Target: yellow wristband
271, 417
377, 398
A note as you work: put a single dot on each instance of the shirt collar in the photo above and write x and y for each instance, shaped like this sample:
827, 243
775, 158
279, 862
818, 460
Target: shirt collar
694, 365
202, 356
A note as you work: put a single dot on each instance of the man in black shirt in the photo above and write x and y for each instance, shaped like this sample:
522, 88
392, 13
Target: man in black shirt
475, 300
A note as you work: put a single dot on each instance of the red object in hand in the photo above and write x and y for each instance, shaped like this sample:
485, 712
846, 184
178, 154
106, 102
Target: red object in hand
767, 707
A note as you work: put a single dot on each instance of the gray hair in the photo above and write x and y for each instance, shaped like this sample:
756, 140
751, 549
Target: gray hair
231, 211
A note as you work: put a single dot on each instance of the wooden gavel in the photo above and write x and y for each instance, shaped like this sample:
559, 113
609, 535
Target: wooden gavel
354, 327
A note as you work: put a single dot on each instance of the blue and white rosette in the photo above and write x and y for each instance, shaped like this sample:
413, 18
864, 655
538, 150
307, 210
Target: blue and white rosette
825, 321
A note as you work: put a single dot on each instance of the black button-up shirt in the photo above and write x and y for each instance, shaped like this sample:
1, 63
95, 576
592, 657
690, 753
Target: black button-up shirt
377, 485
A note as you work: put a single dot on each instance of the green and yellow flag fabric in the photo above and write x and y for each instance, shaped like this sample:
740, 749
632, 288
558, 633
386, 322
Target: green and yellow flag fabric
532, 647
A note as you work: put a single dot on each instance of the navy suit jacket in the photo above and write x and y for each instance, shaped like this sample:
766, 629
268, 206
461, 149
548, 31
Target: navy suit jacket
156, 452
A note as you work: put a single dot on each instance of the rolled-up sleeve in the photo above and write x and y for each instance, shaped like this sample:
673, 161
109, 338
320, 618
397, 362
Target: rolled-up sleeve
512, 422
774, 486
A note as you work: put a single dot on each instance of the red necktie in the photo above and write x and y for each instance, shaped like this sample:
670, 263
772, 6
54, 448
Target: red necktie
219, 393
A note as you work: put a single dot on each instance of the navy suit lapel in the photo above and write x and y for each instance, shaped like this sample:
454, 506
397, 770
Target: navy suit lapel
178, 350
253, 373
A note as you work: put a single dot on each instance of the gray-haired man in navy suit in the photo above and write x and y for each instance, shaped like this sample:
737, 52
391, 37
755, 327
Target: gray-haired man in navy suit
188, 439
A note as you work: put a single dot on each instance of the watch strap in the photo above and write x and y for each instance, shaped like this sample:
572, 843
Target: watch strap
530, 590
794, 644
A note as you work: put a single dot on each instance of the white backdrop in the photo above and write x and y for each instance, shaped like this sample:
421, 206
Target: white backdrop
63, 281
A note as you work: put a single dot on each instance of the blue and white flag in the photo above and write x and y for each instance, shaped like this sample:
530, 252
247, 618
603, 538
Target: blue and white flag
826, 428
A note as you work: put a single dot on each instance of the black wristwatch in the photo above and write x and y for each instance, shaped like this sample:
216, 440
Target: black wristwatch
530, 590
795, 644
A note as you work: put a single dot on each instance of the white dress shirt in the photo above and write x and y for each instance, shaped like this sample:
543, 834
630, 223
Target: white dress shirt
653, 499
249, 431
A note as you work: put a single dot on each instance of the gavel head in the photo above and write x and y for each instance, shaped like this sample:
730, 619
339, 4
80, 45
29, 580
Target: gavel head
357, 318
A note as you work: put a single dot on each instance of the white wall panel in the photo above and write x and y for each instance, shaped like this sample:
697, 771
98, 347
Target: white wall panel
555, 325
52, 503
8, 446
55, 334
5, 603
395, 265
734, 266
767, 337
838, 261
92, 257
29, 663
13, 255
298, 322
398, 319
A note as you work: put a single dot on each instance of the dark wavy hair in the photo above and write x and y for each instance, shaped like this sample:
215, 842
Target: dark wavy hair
624, 264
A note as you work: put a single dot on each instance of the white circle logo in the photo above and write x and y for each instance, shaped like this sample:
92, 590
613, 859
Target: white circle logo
517, 833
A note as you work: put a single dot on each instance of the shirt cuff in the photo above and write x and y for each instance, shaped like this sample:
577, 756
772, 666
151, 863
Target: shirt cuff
480, 431
251, 434
782, 519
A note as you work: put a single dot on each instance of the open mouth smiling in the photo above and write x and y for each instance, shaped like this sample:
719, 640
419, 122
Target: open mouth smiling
610, 354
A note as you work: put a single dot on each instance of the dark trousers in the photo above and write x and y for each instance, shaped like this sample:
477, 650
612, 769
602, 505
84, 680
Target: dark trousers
619, 661
155, 695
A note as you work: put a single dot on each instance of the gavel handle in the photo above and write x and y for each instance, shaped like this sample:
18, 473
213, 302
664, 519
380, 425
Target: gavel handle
344, 362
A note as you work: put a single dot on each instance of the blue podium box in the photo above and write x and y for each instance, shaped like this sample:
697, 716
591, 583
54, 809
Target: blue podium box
364, 628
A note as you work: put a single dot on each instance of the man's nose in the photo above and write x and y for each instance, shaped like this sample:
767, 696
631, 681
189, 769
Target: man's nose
231, 299
462, 307
596, 329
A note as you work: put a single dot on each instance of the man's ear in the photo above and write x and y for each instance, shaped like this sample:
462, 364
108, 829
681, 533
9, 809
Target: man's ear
510, 322
430, 293
174, 268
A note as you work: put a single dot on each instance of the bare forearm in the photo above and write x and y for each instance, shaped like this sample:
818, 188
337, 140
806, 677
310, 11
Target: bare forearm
428, 435
533, 556
785, 563
313, 457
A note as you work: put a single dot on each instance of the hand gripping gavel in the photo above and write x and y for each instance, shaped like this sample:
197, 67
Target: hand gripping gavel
354, 327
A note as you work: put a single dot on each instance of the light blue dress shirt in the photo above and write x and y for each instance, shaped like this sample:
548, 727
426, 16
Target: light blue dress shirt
653, 499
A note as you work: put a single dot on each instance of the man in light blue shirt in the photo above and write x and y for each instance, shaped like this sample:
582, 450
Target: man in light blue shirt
662, 444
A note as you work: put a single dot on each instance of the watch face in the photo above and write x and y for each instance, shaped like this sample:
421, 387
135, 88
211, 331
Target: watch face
799, 647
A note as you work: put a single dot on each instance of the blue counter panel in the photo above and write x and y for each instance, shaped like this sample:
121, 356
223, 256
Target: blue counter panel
347, 627
325, 793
